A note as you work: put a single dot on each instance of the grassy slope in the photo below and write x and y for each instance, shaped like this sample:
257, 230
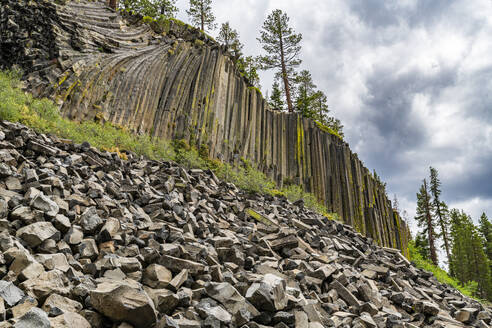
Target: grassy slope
43, 116
441, 275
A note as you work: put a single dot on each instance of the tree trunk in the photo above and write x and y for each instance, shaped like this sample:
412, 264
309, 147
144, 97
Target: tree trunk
444, 233
430, 228
284, 73
202, 17
113, 4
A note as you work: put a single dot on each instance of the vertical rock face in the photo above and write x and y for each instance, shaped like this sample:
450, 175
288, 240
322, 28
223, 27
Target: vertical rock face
171, 81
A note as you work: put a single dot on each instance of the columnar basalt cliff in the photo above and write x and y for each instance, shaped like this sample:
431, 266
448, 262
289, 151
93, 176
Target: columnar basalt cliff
171, 81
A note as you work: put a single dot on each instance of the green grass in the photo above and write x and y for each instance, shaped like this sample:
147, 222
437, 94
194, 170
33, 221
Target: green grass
43, 116
442, 276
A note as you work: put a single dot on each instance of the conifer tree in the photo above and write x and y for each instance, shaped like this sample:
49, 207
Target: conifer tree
336, 125
282, 46
248, 66
396, 203
276, 102
320, 107
151, 8
422, 245
468, 260
165, 7
201, 14
305, 93
440, 209
425, 220
485, 228
229, 37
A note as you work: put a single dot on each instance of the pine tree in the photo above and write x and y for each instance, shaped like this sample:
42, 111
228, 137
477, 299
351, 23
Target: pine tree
396, 204
336, 125
201, 14
151, 8
481, 263
282, 47
440, 209
166, 7
276, 102
468, 260
422, 245
229, 37
425, 220
248, 66
305, 93
320, 108
485, 228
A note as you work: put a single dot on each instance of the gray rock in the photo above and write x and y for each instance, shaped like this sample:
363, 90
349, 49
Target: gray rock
10, 293
208, 308
90, 220
121, 302
34, 318
269, 295
157, 276
36, 233
345, 294
43, 203
69, 320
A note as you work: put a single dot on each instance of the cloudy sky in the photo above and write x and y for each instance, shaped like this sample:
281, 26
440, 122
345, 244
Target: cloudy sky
411, 81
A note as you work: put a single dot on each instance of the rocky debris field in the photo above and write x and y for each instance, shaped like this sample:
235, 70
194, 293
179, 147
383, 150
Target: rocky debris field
90, 240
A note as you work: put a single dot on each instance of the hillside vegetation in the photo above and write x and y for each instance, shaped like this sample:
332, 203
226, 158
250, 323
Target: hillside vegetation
43, 116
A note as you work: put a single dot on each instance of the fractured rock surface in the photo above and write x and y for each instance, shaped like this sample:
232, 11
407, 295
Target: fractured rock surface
161, 246
174, 82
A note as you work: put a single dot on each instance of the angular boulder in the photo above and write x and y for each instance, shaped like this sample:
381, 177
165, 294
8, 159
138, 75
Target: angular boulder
122, 302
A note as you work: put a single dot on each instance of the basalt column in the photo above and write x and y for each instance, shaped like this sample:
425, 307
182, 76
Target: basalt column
172, 81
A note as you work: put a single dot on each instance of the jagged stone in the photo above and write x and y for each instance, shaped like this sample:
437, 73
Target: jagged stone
269, 295
10, 293
121, 302
34, 318
24, 306
56, 304
69, 320
36, 233
177, 264
157, 276
345, 294
208, 308
466, 314
43, 203
90, 220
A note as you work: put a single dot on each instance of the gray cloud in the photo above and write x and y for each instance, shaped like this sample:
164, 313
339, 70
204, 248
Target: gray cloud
411, 81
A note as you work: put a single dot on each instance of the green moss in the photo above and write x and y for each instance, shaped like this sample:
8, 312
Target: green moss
63, 78
199, 43
327, 129
258, 217
256, 89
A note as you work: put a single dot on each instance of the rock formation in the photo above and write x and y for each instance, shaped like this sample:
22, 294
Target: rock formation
90, 240
171, 81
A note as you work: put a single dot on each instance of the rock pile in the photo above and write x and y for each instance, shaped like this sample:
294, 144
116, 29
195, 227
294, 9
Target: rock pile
170, 80
90, 240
